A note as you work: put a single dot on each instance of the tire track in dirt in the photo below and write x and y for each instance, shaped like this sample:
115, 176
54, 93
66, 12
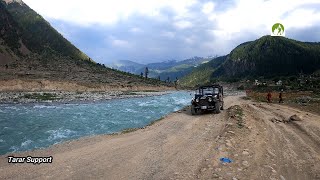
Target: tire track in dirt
298, 127
269, 157
299, 150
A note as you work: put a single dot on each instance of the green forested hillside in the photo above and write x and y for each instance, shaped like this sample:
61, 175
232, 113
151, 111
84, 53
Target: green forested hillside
272, 56
203, 73
268, 56
38, 35
9, 30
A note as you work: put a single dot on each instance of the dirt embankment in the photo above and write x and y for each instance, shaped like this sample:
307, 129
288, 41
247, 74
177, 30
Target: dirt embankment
257, 138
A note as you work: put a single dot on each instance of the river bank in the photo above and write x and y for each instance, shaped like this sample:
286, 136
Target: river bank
68, 97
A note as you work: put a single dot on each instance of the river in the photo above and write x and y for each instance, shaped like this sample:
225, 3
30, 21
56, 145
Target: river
31, 126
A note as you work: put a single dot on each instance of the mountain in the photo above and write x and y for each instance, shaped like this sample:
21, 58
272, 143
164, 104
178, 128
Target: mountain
32, 50
10, 42
267, 56
36, 33
175, 69
168, 69
203, 73
127, 66
172, 63
272, 56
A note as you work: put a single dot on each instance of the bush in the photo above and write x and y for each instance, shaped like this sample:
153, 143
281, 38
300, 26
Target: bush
241, 87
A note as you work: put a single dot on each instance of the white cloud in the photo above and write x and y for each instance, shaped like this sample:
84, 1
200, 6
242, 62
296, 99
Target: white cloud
302, 18
175, 28
189, 40
105, 12
168, 34
245, 16
183, 24
259, 16
208, 7
136, 30
120, 43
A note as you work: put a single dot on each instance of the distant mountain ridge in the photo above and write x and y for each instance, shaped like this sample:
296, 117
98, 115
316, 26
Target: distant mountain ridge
126, 66
171, 69
203, 73
267, 56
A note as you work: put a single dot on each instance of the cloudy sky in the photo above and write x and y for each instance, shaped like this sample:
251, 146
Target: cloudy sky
157, 30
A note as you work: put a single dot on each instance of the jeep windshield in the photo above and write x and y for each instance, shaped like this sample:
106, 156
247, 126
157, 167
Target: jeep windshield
209, 91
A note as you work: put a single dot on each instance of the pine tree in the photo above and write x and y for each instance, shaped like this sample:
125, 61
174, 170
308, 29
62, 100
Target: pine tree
146, 72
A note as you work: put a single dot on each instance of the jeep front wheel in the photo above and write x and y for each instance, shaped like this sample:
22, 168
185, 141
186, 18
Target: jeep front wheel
217, 108
193, 110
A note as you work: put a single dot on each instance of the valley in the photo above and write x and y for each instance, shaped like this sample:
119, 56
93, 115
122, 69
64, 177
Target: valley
166, 70
84, 87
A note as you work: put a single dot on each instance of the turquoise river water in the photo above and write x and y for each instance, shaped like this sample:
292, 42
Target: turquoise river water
31, 126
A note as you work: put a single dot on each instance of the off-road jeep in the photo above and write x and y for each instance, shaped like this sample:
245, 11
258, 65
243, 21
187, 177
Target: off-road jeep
207, 98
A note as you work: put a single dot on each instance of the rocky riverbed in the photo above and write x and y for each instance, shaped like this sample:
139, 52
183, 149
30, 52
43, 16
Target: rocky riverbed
65, 97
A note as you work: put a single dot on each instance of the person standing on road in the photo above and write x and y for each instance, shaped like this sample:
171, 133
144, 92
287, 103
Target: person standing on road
281, 96
269, 97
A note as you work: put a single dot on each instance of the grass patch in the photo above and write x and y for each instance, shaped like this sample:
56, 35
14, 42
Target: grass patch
129, 130
304, 100
246, 98
128, 93
153, 122
137, 92
149, 91
236, 112
239, 116
40, 96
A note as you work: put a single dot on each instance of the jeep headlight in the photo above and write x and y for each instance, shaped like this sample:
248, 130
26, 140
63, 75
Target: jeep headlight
210, 99
197, 100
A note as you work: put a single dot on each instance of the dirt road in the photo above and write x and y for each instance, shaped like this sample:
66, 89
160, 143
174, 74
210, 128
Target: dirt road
260, 142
